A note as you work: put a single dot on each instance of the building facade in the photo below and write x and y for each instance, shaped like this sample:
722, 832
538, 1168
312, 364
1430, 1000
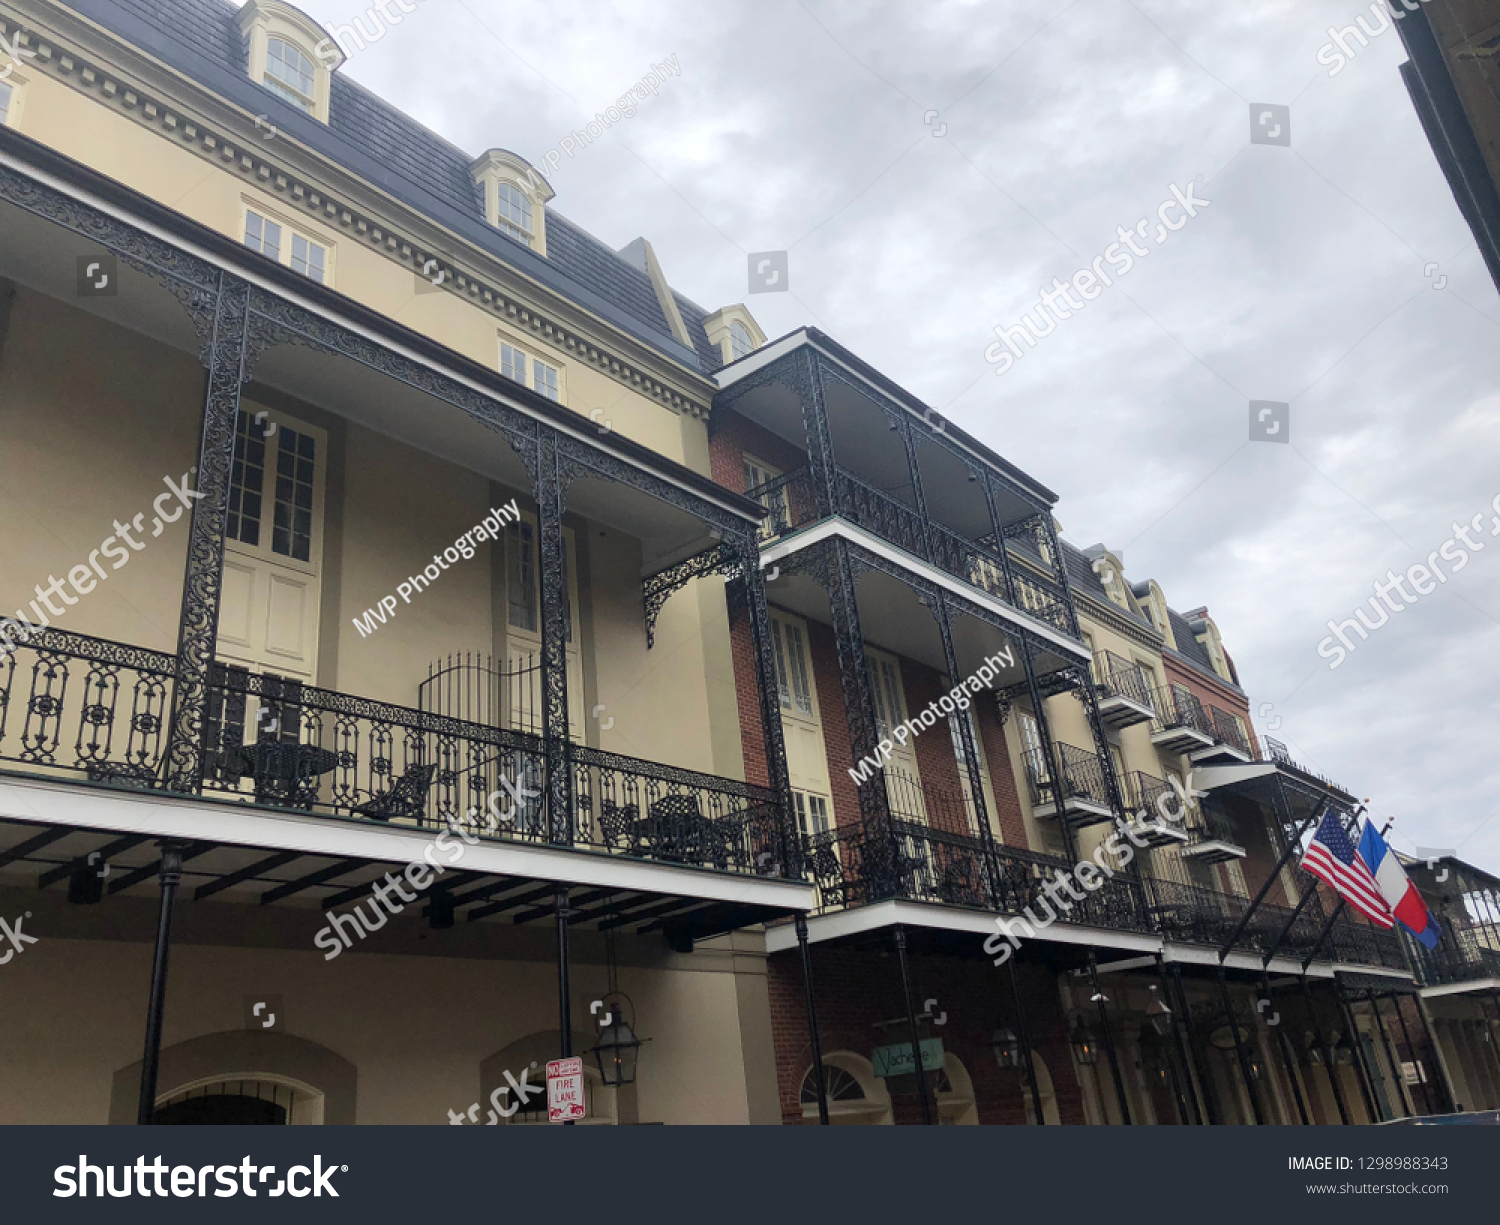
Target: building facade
432, 645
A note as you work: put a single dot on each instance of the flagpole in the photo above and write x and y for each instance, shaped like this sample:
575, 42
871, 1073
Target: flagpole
1333, 918
1275, 872
1306, 895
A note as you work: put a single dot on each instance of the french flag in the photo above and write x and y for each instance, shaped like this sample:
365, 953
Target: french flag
1395, 886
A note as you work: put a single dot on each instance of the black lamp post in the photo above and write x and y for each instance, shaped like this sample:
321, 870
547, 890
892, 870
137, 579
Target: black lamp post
618, 1046
1158, 1014
1084, 1041
1007, 1048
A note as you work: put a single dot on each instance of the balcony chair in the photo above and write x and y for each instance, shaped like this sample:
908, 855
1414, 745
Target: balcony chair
620, 824
405, 799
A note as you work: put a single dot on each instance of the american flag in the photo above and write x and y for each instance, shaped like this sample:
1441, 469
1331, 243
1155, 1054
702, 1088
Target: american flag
1331, 857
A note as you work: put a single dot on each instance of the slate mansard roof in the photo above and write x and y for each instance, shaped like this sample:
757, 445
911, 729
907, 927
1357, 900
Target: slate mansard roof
380, 144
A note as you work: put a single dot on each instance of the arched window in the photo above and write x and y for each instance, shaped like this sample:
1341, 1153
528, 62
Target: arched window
842, 1086
740, 342
514, 212
290, 74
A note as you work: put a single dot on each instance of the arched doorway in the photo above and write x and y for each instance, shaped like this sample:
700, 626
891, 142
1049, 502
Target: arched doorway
855, 1094
1044, 1090
953, 1093
238, 1101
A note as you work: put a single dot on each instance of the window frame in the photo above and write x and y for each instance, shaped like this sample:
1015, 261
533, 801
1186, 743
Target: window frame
267, 518
286, 243
533, 356
16, 82
306, 102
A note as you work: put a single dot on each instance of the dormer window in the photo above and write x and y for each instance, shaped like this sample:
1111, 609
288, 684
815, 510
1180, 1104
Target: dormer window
734, 332
289, 54
513, 214
290, 74
515, 197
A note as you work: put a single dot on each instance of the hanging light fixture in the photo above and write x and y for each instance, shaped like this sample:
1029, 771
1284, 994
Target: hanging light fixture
1158, 1014
1007, 1047
1084, 1042
618, 1047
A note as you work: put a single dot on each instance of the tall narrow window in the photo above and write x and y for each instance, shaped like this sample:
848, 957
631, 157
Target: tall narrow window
544, 378
520, 583
812, 813
6, 90
307, 258
512, 362
296, 464
886, 685
247, 481
262, 234
514, 211
740, 342
289, 74
758, 474
791, 667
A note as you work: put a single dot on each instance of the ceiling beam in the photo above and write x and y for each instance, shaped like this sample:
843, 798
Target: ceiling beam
311, 879
268, 864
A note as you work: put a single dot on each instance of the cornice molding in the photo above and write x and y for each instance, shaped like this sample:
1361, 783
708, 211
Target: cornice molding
250, 163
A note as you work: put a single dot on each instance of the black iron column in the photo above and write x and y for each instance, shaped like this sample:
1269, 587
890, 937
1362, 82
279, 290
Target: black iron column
1361, 1068
1330, 1066
1239, 1049
748, 551
1109, 1040
966, 745
551, 491
1205, 1085
1036, 1088
1174, 1051
1439, 1060
564, 994
881, 845
807, 380
819, 1078
203, 577
1000, 550
911, 1018
1411, 1048
171, 877
1403, 1096
1287, 1062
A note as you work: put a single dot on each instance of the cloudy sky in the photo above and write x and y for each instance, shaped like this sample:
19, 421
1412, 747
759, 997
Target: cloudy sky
809, 127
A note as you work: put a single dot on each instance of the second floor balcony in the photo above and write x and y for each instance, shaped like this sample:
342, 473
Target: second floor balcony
1077, 791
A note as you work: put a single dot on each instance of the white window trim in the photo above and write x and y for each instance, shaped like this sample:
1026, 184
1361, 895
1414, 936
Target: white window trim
496, 166
261, 20
289, 229
534, 353
17, 82
717, 326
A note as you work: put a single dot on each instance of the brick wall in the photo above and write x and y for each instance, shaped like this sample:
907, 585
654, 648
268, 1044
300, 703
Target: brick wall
856, 989
936, 761
731, 435
825, 666
1009, 818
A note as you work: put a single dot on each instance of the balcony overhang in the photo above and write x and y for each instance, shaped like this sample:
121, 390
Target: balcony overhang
879, 916
236, 836
1078, 811
1212, 850
1181, 739
1475, 986
1120, 711
1257, 778
1155, 831
1219, 754
827, 529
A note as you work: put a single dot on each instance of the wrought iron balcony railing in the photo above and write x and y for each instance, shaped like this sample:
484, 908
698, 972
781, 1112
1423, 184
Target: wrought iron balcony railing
1115, 676
1082, 777
1143, 791
789, 500
1178, 708
75, 707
